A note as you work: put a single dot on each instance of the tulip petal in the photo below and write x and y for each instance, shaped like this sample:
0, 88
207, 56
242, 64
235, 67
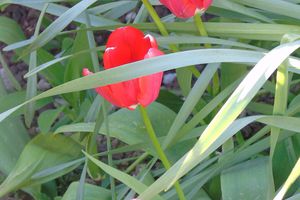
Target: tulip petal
180, 8
117, 94
152, 41
86, 72
107, 94
132, 40
123, 35
116, 56
202, 4
150, 85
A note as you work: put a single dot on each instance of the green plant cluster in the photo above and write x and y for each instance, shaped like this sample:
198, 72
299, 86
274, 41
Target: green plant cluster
247, 51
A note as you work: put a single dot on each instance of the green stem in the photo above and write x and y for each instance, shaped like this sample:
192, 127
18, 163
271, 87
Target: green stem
108, 145
136, 162
202, 30
94, 171
280, 102
162, 156
161, 27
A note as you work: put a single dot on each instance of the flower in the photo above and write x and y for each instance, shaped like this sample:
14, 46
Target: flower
126, 45
186, 8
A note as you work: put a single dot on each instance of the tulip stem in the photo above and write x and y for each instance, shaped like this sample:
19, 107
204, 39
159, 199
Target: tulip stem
202, 30
162, 156
136, 162
108, 146
163, 30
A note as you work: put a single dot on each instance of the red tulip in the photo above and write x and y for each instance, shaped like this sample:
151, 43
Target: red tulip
186, 8
126, 45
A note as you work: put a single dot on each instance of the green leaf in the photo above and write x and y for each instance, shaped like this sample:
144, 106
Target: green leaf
76, 64
52, 62
13, 138
12, 131
121, 176
58, 25
31, 87
295, 173
253, 31
231, 72
279, 7
16, 98
284, 159
191, 39
128, 127
47, 118
59, 10
91, 192
11, 32
213, 136
170, 100
150, 66
235, 7
9, 74
295, 197
108, 6
249, 180
40, 153
184, 78
28, 1
191, 101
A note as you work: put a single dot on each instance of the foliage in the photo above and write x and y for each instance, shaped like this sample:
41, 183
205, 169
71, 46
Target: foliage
244, 52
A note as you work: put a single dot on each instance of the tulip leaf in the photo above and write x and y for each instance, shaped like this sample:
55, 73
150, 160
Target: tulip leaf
128, 180
279, 7
28, 1
47, 118
76, 64
231, 72
284, 159
153, 65
12, 131
170, 100
128, 126
249, 180
11, 32
108, 6
191, 39
235, 7
58, 25
191, 101
40, 153
91, 192
215, 133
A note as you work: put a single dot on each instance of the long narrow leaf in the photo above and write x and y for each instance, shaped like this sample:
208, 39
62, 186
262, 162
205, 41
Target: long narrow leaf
149, 66
213, 137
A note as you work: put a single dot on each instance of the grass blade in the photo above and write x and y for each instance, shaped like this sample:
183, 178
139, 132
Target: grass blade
149, 66
213, 137
31, 89
10, 76
58, 25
